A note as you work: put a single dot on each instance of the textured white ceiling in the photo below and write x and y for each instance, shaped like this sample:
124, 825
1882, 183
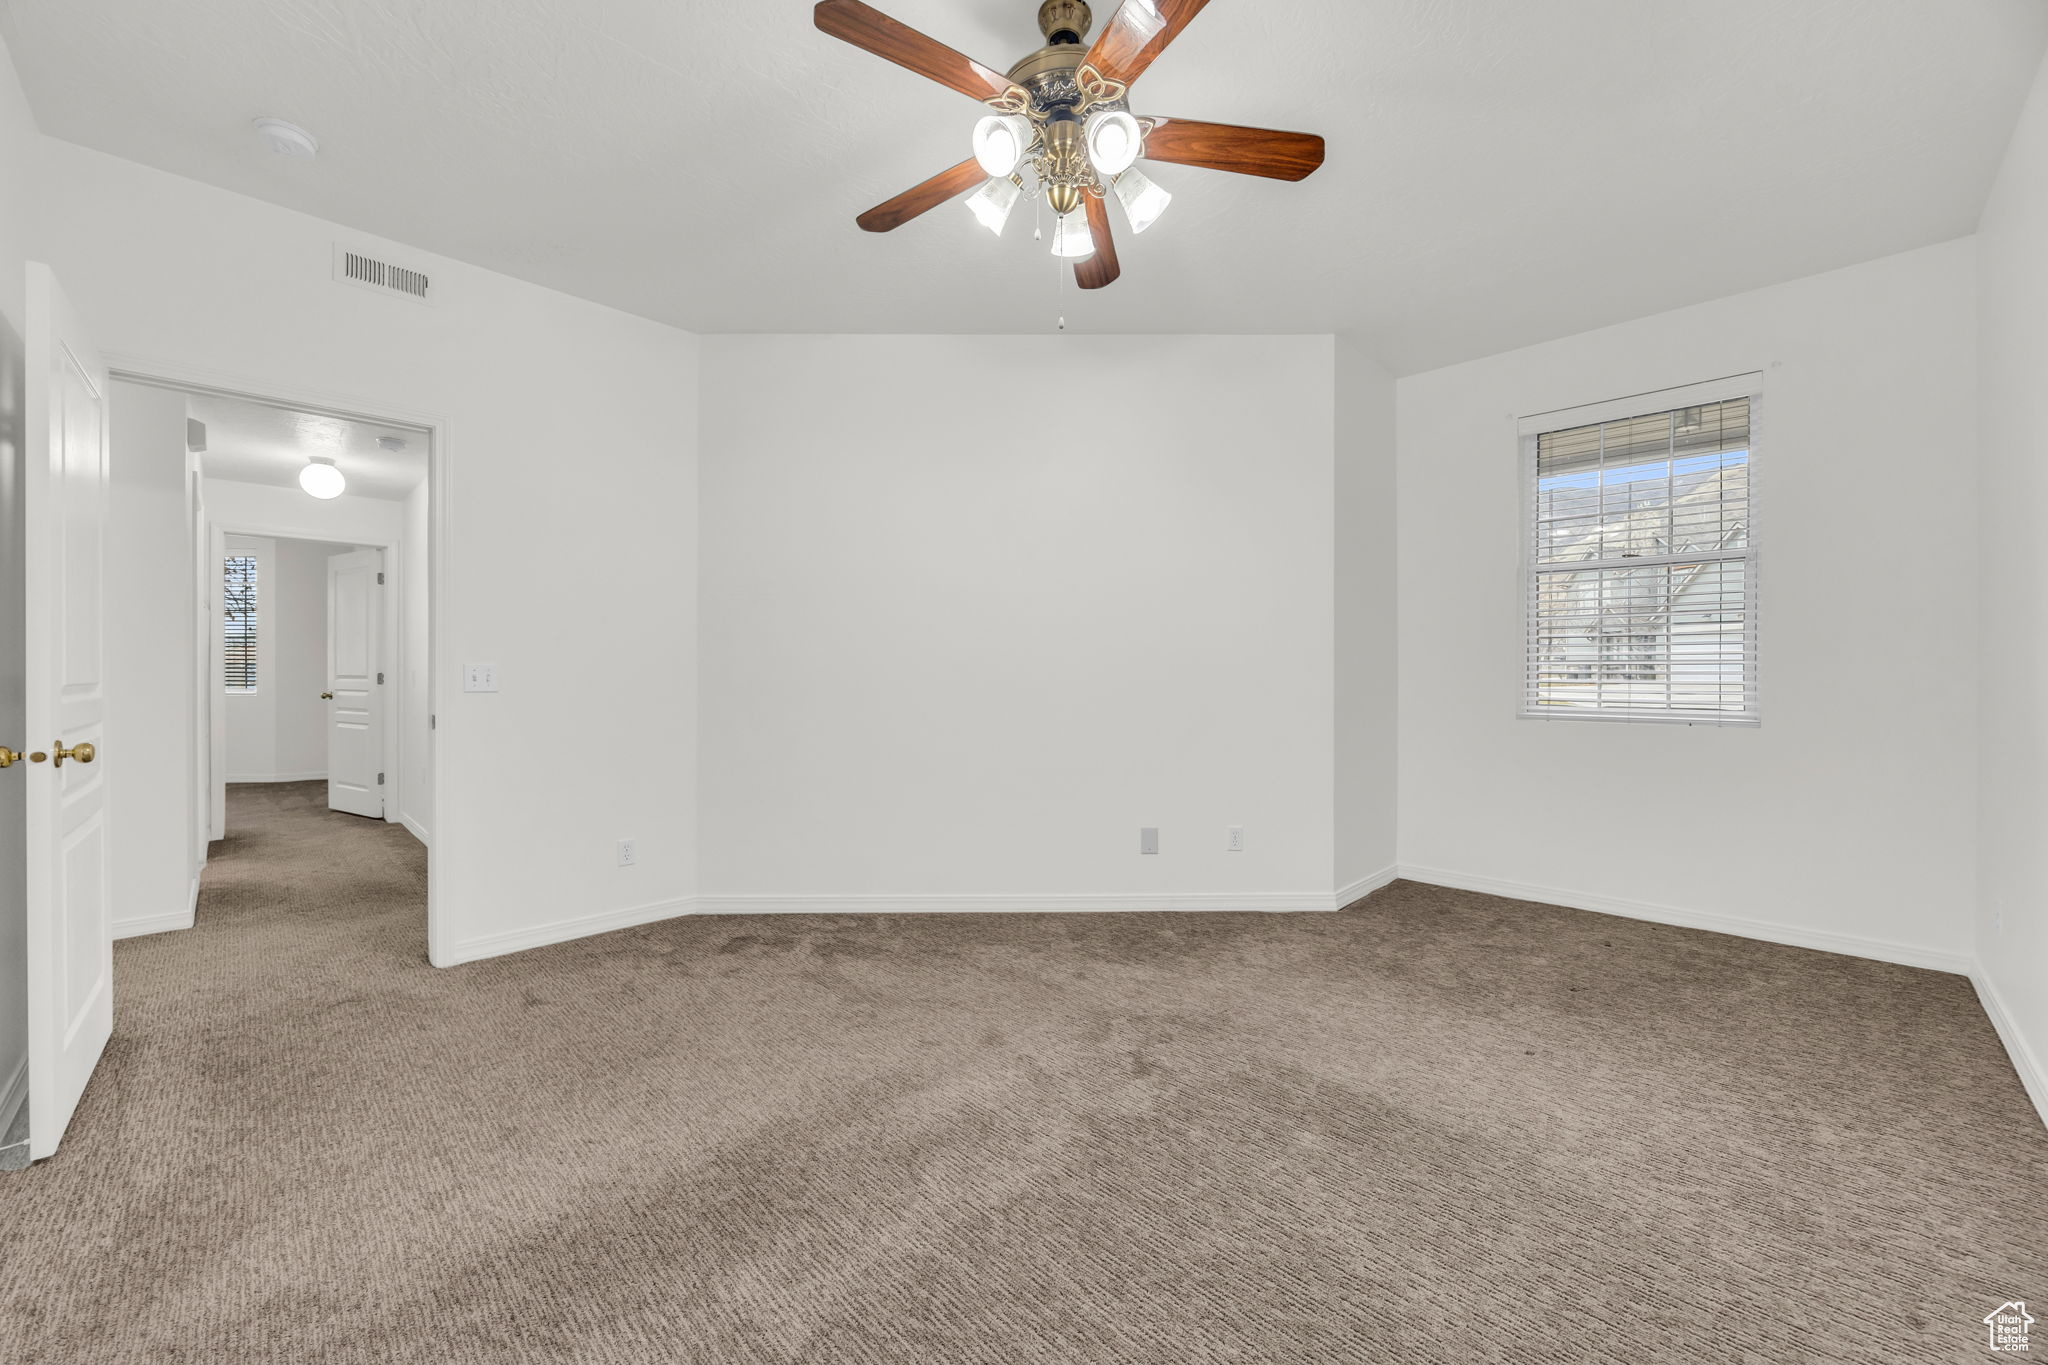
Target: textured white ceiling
257, 443
1499, 171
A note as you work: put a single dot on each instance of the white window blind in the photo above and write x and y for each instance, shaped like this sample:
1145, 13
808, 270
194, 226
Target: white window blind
238, 623
1641, 566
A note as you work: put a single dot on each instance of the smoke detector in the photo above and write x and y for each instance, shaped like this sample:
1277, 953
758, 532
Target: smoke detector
288, 139
394, 444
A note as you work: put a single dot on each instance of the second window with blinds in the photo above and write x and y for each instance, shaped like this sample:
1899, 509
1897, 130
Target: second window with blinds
238, 623
1641, 559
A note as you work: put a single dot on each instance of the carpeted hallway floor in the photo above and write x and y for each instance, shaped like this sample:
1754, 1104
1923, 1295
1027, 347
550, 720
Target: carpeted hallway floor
1437, 1127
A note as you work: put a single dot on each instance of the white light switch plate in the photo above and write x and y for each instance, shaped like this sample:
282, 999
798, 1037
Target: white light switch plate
479, 677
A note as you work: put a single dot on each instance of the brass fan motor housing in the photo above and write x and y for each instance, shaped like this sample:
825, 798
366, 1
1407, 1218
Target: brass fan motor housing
1066, 164
1066, 20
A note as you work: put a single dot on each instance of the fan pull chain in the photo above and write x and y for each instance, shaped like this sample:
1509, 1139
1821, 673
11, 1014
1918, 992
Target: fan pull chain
1059, 270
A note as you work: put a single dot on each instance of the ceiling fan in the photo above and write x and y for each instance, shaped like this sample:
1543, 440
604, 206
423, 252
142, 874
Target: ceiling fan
1061, 126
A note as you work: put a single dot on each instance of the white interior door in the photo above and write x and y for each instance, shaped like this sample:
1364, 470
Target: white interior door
70, 930
355, 689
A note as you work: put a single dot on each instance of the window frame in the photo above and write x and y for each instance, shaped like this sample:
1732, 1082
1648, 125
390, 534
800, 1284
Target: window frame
1530, 429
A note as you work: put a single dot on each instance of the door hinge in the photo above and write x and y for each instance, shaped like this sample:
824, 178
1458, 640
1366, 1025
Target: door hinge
433, 722
380, 578
380, 680
380, 779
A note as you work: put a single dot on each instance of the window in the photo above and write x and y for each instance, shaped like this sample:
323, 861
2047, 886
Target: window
238, 622
1641, 560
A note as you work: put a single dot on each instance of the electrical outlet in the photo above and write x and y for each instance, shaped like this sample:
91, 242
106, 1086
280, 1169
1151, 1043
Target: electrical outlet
1148, 840
626, 855
1234, 843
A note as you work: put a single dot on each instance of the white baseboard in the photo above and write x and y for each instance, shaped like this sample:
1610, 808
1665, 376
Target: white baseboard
14, 1095
152, 924
164, 923
1364, 886
320, 776
417, 830
562, 930
2033, 1075
1065, 903
1852, 945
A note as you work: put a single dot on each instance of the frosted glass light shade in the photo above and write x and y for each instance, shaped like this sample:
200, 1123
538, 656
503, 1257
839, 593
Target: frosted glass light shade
1000, 141
1143, 201
1071, 238
991, 204
1114, 141
322, 480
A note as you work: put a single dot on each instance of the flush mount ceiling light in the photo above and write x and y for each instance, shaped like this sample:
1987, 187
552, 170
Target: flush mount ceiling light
321, 478
1062, 116
288, 139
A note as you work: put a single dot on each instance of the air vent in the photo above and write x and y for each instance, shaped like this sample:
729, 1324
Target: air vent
367, 272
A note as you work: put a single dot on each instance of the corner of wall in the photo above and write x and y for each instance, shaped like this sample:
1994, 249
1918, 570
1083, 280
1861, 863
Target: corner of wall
1364, 796
2011, 913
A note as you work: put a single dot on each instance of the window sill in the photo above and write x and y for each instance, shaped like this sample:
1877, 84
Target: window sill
1749, 721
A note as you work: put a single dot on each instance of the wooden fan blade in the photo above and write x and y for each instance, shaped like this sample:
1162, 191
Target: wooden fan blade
894, 213
1101, 268
871, 30
1138, 32
1225, 147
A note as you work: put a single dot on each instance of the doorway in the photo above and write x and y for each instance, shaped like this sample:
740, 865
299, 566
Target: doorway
132, 506
319, 622
297, 650
303, 667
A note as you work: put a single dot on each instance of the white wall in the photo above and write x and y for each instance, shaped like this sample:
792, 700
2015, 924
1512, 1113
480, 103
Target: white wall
1365, 795
959, 649
17, 163
348, 519
570, 456
151, 672
278, 733
2012, 925
1847, 819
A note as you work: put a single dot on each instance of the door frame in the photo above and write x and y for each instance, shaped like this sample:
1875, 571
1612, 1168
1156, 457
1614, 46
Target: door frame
390, 642
169, 374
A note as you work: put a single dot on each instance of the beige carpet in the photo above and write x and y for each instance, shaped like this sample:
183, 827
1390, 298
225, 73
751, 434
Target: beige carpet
1438, 1127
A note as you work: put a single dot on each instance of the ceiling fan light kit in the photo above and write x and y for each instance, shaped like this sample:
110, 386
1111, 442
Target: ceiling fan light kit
1071, 239
1001, 142
1143, 200
1063, 116
993, 203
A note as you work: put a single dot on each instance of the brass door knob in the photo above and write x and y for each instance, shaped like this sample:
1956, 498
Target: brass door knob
327, 696
10, 757
82, 753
